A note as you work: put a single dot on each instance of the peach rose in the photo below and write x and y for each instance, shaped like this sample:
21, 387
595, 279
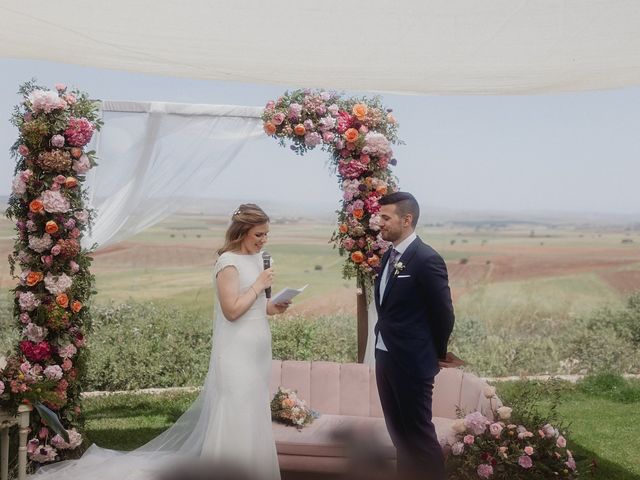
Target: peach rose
76, 306
62, 300
357, 257
288, 403
36, 206
299, 130
34, 278
351, 135
71, 182
391, 119
269, 128
76, 152
358, 213
51, 227
360, 110
373, 261
343, 228
381, 190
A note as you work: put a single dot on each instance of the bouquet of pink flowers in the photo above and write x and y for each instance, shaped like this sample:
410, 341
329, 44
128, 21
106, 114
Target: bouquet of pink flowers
503, 449
288, 408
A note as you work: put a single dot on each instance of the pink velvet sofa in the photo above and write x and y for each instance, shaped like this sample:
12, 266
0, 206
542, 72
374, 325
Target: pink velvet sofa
346, 396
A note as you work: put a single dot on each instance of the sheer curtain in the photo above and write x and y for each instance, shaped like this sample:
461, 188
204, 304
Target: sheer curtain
151, 154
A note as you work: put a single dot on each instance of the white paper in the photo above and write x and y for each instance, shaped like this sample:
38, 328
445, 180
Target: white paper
286, 294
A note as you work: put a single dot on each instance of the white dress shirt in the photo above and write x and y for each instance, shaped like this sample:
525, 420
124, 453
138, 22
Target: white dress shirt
401, 247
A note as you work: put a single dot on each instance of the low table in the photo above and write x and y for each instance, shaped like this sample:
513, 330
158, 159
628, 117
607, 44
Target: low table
6, 421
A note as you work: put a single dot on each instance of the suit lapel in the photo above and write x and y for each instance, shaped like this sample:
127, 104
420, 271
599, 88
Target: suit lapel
385, 259
405, 258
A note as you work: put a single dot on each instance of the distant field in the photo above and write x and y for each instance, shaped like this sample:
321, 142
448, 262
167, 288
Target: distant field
528, 299
510, 273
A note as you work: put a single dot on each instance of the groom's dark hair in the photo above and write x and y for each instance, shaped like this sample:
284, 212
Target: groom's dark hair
405, 204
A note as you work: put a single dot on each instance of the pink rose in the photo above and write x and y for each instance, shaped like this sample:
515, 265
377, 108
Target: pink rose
528, 450
55, 250
23, 150
328, 137
32, 446
278, 118
60, 179
67, 365
82, 216
24, 318
485, 470
82, 165
75, 233
47, 260
525, 461
571, 463
495, 429
469, 439
561, 442
363, 129
57, 141
60, 87
74, 266
43, 433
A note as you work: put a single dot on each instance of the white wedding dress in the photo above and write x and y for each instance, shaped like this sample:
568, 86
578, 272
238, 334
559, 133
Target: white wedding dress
229, 422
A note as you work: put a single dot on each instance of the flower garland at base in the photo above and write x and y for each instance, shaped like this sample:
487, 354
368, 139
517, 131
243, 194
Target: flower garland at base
358, 134
54, 284
507, 450
288, 408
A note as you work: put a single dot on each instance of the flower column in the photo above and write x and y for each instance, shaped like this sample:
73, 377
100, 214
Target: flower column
47, 204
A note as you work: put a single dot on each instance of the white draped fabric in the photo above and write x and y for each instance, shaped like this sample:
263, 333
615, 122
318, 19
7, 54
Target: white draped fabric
405, 46
151, 153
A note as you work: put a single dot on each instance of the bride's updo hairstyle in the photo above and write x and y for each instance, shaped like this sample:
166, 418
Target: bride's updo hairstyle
245, 217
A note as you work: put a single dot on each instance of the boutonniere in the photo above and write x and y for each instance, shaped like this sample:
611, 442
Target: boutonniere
399, 266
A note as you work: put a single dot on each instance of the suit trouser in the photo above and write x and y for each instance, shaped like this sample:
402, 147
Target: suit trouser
406, 403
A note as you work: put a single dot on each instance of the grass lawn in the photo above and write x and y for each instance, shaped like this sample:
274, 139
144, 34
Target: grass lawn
603, 415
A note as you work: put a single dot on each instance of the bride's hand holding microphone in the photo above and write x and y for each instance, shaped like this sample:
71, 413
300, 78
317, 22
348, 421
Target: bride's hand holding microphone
264, 282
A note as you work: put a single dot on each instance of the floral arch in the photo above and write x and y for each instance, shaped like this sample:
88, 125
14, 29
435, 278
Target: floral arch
358, 134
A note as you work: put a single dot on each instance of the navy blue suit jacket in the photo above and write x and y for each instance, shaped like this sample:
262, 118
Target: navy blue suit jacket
416, 316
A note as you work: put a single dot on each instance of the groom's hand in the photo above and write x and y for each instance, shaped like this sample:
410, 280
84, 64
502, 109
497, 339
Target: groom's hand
451, 360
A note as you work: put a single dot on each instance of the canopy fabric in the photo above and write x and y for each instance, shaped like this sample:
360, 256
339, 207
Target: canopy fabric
404, 46
151, 153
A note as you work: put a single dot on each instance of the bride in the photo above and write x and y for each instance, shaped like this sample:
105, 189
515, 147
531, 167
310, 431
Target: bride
230, 421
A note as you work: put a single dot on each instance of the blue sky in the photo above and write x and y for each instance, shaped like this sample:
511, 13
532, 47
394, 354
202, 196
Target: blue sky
576, 152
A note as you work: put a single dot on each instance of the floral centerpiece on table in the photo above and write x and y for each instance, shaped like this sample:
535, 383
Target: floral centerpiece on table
359, 134
53, 282
508, 448
288, 408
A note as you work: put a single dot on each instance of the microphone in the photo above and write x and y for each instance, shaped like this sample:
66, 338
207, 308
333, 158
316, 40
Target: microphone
266, 263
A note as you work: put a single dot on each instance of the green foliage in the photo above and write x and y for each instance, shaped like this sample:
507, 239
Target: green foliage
604, 341
139, 345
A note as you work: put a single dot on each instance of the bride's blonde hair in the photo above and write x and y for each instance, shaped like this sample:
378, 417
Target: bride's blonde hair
245, 217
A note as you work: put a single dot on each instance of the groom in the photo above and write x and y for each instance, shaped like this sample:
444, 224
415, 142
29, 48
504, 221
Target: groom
415, 319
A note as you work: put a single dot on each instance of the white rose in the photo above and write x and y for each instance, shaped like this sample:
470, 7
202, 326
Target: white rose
458, 426
457, 448
504, 413
489, 391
